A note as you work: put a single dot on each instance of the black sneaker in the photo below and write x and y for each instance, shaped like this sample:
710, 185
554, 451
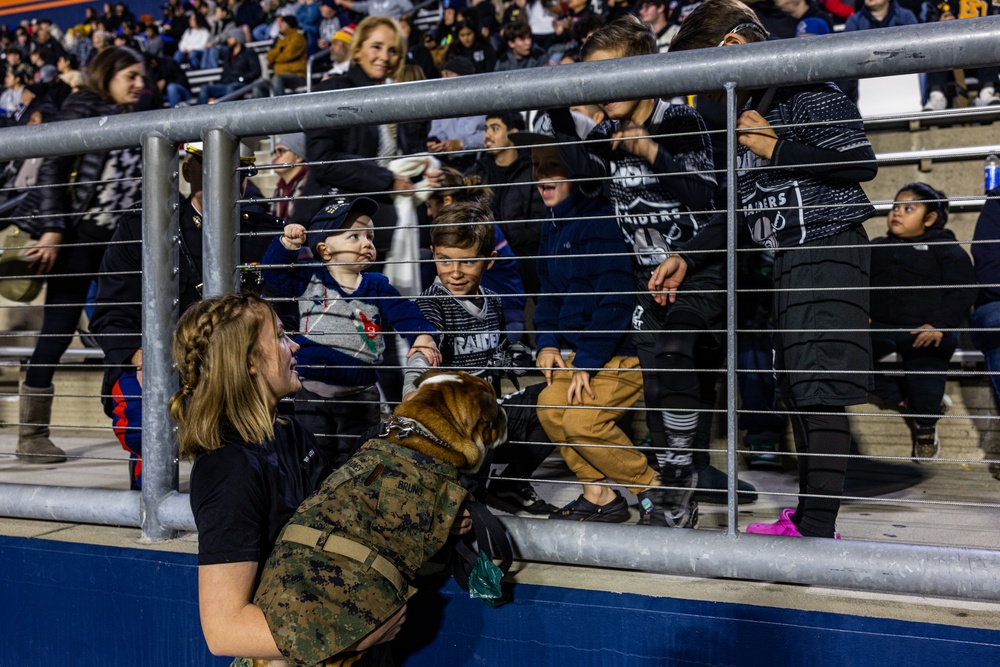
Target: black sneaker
713, 485
582, 509
514, 497
672, 505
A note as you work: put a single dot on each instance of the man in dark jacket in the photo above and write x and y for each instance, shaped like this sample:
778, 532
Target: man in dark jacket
240, 68
117, 320
171, 80
516, 202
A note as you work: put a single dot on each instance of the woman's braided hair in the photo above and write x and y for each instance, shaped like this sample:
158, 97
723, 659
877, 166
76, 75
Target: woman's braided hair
214, 347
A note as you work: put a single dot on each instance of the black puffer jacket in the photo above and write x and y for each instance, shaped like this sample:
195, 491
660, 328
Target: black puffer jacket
927, 279
54, 199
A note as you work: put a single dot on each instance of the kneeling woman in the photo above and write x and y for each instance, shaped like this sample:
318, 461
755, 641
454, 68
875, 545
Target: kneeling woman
252, 468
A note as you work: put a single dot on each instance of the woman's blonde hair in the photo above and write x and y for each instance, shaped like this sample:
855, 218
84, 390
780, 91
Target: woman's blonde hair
364, 31
214, 346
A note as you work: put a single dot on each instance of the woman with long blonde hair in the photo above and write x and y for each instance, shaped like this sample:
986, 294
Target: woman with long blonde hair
251, 469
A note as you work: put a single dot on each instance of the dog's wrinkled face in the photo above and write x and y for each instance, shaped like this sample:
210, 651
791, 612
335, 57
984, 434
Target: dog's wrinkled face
462, 410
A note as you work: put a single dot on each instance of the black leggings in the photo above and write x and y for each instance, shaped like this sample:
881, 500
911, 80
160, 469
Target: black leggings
816, 437
66, 290
672, 381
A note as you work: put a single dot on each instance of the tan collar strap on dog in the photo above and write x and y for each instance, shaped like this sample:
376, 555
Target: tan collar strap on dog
405, 427
335, 544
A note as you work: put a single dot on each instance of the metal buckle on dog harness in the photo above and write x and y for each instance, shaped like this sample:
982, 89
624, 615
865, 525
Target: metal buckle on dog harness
369, 558
405, 427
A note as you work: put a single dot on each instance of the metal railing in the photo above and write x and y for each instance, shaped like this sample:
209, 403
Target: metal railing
160, 509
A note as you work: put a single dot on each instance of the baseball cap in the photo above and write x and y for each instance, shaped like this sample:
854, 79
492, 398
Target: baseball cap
333, 217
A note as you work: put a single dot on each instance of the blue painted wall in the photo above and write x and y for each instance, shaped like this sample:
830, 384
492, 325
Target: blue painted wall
107, 607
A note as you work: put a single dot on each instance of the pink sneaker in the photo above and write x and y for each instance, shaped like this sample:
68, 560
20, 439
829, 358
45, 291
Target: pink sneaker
783, 526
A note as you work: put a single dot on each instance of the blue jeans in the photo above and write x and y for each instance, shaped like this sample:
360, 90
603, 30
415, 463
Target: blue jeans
987, 316
754, 352
176, 93
216, 90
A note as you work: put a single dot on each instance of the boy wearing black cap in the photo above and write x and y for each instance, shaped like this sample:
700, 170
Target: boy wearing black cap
341, 311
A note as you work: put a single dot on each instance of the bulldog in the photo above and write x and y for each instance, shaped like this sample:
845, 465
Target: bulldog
344, 562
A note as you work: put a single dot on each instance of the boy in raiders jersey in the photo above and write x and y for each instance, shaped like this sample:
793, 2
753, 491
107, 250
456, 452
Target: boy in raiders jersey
662, 185
470, 319
801, 156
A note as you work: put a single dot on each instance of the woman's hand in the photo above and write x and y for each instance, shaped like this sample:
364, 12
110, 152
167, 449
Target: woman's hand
463, 522
549, 358
45, 252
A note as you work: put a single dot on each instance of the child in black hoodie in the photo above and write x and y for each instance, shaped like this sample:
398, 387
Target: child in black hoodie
922, 287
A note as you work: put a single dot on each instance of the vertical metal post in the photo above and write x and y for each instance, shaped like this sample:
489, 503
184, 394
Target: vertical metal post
731, 392
160, 295
222, 186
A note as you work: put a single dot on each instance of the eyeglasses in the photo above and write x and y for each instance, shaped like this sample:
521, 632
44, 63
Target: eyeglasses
279, 151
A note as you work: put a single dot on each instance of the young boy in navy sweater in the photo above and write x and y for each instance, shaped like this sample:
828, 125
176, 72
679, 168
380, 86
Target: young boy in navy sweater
342, 309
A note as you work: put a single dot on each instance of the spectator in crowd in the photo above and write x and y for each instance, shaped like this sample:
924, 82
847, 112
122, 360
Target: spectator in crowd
329, 23
228, 422
343, 310
289, 152
923, 284
394, 9
239, 68
152, 41
985, 320
655, 14
448, 136
55, 88
470, 44
69, 71
828, 371
82, 50
805, 9
194, 41
377, 55
876, 14
340, 47
936, 83
522, 52
660, 164
171, 80
307, 13
516, 203
75, 224
287, 58
219, 26
585, 304
45, 40
247, 14
15, 79
36, 105
117, 319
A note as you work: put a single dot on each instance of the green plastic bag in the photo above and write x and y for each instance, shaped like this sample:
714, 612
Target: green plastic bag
484, 582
